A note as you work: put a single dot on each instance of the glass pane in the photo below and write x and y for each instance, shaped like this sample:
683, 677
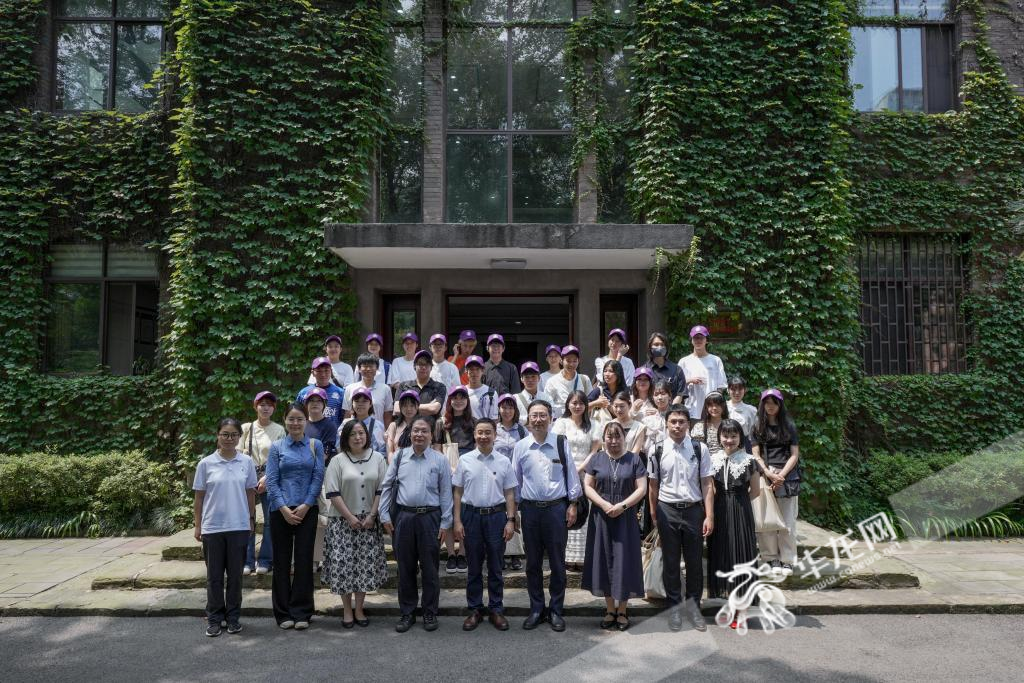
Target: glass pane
142, 9
538, 10
402, 322
477, 178
125, 261
613, 206
476, 79
486, 10
147, 302
618, 85
874, 67
622, 10
540, 92
542, 179
72, 338
877, 8
401, 181
85, 8
76, 260
138, 55
913, 69
83, 63
120, 327
407, 72
925, 9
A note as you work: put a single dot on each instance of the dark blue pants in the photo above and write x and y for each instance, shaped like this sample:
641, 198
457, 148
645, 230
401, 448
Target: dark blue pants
545, 533
416, 547
484, 539
266, 558
224, 553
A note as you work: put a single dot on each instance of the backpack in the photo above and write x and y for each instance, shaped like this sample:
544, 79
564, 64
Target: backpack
696, 445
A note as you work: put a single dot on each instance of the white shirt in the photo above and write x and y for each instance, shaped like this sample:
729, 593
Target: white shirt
382, 402
676, 472
446, 373
627, 368
402, 370
559, 388
343, 374
490, 404
544, 377
225, 483
524, 400
745, 414
711, 370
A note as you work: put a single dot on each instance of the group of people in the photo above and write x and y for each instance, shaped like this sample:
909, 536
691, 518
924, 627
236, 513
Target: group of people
498, 464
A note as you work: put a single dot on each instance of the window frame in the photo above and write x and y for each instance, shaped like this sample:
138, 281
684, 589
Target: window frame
104, 280
57, 21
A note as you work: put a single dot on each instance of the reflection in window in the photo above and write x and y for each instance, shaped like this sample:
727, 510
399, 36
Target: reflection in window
83, 66
542, 179
73, 333
617, 82
401, 180
541, 10
138, 53
477, 178
614, 180
407, 73
932, 10
540, 98
622, 10
476, 79
909, 69
404, 10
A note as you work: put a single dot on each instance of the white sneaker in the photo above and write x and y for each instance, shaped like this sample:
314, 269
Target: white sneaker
301, 625
287, 624
260, 569
246, 570
787, 570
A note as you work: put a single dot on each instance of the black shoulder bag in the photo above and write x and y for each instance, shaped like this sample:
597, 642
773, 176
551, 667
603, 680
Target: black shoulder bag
393, 507
582, 503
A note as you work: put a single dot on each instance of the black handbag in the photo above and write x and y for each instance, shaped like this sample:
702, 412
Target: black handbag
582, 503
393, 507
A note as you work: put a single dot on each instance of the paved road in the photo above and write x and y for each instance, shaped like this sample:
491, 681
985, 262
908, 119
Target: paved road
849, 648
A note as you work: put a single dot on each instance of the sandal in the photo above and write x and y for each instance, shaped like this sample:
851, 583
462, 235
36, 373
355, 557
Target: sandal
622, 625
608, 623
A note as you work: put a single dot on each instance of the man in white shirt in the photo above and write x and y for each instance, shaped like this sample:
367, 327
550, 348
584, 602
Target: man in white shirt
402, 369
616, 351
483, 400
704, 372
341, 371
368, 364
443, 371
744, 413
529, 373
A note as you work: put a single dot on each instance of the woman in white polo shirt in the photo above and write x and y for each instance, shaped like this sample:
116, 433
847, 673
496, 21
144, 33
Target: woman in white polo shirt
225, 514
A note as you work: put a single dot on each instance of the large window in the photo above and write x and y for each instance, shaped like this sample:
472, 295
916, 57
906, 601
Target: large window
910, 68
103, 309
508, 143
400, 175
105, 53
912, 291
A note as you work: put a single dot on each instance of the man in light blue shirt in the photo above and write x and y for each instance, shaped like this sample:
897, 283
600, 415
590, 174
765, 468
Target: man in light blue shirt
416, 509
485, 513
544, 472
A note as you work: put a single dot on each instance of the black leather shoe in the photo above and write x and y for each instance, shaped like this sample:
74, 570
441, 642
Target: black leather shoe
695, 617
557, 622
533, 621
429, 622
405, 623
675, 619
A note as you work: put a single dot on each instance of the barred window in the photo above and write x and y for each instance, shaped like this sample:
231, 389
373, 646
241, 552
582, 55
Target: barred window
912, 291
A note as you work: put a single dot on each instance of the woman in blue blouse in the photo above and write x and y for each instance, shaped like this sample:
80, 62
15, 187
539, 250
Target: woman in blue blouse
295, 475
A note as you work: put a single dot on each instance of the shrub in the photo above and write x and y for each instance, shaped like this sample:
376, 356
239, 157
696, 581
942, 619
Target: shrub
133, 491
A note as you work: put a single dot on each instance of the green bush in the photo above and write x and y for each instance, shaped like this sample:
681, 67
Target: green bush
133, 491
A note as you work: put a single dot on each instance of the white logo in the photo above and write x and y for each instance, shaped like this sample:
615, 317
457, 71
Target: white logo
771, 609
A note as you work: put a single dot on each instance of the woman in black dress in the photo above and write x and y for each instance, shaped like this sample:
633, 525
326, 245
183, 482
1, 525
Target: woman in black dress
615, 482
737, 480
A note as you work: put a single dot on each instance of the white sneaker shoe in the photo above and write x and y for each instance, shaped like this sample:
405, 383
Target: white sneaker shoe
246, 570
301, 625
260, 569
287, 624
787, 569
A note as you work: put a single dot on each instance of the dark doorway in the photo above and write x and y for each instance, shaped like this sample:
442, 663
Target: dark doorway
528, 323
620, 311
401, 314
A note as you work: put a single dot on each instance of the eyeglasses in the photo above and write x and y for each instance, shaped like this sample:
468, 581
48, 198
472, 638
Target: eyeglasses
295, 420
229, 435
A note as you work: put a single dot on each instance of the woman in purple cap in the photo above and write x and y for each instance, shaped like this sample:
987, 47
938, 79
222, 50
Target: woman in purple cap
553, 356
398, 434
362, 410
510, 432
456, 427
612, 382
374, 346
777, 450
464, 348
341, 371
567, 381
617, 350
402, 368
704, 372
257, 438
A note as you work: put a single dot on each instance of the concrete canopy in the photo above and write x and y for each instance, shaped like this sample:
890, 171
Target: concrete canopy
529, 246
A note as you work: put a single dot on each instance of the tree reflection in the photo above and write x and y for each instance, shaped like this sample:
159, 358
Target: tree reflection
476, 78
138, 54
542, 179
406, 93
401, 179
477, 178
83, 63
540, 98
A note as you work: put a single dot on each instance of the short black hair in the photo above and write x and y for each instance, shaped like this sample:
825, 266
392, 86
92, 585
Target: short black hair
229, 421
367, 359
485, 421
678, 408
539, 402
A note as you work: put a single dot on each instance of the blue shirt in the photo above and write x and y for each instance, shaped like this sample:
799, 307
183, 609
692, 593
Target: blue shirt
484, 478
424, 480
539, 470
335, 401
294, 474
226, 500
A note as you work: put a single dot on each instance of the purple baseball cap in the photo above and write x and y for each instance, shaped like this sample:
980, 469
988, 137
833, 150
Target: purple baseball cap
553, 347
620, 332
316, 391
458, 388
474, 360
529, 366
364, 392
321, 360
409, 393
265, 395
373, 336
643, 372
495, 338
331, 338
774, 393
699, 329
466, 335
423, 354
411, 335
506, 397
439, 337
566, 350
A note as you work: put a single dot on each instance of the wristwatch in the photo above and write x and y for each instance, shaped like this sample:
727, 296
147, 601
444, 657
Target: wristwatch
510, 518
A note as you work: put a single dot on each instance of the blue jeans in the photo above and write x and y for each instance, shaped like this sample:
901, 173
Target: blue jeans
266, 548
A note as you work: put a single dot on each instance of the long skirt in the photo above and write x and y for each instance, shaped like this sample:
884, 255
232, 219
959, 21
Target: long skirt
354, 560
732, 542
614, 565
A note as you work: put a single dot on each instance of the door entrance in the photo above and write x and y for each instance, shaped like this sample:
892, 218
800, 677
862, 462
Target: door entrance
528, 323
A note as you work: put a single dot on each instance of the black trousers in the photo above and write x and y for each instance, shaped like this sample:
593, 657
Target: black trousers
681, 533
224, 552
544, 532
485, 538
292, 595
417, 550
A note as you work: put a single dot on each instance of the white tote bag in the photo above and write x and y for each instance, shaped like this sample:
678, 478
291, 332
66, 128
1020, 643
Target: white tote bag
654, 582
451, 450
767, 516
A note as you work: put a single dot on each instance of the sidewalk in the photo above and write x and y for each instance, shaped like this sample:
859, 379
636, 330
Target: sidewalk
152, 576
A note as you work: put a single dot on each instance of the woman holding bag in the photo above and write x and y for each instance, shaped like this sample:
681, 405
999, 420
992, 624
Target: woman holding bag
777, 450
510, 432
453, 436
257, 438
575, 426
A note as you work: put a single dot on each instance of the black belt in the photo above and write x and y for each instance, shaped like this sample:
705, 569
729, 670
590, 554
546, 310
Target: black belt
484, 511
420, 510
543, 503
681, 506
